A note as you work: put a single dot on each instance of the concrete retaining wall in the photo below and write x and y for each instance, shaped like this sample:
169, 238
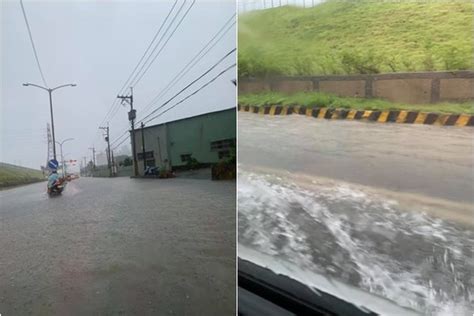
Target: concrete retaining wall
390, 116
124, 171
412, 88
103, 172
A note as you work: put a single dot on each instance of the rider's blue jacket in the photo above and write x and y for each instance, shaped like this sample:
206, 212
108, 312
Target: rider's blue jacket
53, 177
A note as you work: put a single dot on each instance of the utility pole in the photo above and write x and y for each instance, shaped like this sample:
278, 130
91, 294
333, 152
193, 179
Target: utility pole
143, 148
84, 172
93, 156
107, 139
113, 163
131, 117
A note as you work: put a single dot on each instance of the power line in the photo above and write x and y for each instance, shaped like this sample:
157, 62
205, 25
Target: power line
191, 83
33, 44
125, 133
193, 61
131, 83
119, 144
139, 62
115, 105
186, 87
196, 91
184, 71
180, 101
149, 46
164, 45
199, 59
137, 77
158, 43
135, 81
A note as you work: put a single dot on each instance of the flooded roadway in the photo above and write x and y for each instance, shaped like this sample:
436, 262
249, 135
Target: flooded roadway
386, 208
119, 246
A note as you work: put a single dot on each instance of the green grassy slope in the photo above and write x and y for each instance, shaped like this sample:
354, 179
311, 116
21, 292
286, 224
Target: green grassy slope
359, 36
316, 99
11, 175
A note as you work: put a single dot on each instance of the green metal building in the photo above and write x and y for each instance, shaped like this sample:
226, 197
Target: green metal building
207, 138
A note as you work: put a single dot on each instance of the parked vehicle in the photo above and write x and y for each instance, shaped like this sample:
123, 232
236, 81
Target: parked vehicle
151, 171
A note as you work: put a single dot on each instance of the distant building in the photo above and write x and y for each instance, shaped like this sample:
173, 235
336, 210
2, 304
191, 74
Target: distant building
101, 158
207, 138
119, 159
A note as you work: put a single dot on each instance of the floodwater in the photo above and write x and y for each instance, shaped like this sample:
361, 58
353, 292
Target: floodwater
119, 246
411, 244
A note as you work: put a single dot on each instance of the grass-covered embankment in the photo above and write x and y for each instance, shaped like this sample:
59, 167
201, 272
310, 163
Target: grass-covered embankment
357, 37
316, 99
11, 175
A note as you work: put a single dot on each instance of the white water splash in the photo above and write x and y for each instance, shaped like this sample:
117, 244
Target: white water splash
265, 206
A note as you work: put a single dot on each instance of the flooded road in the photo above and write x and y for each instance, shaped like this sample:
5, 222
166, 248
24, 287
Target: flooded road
429, 160
118, 246
385, 208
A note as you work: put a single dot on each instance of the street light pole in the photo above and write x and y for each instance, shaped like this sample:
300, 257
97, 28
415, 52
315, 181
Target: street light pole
65, 162
52, 121
50, 91
62, 157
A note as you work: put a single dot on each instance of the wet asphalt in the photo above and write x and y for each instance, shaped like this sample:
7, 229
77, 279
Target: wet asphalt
423, 159
119, 247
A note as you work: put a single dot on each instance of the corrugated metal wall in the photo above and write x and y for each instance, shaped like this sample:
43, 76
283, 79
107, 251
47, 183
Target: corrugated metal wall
191, 136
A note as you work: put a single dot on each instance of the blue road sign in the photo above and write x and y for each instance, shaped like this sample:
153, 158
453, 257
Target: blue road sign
53, 164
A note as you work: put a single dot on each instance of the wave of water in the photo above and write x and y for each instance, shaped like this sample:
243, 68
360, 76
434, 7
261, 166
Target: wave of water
361, 238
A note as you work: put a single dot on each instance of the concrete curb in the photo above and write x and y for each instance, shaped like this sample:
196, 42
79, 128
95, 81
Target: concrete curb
407, 117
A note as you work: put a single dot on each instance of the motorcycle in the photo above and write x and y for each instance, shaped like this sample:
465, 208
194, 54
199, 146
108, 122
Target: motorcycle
151, 171
57, 188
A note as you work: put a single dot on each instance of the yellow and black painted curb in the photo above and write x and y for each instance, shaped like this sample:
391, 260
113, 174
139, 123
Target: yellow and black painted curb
409, 117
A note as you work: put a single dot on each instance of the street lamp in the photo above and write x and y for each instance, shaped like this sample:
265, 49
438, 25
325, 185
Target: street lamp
62, 157
50, 91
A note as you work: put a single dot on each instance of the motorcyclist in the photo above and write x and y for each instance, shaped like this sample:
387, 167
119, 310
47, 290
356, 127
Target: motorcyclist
53, 177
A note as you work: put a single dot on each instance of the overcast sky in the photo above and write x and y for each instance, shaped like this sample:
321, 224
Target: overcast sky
96, 44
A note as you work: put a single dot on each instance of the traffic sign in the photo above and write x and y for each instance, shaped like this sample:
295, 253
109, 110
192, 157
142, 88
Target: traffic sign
53, 164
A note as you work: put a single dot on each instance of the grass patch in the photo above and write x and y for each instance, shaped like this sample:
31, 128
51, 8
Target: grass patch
316, 99
357, 37
11, 175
